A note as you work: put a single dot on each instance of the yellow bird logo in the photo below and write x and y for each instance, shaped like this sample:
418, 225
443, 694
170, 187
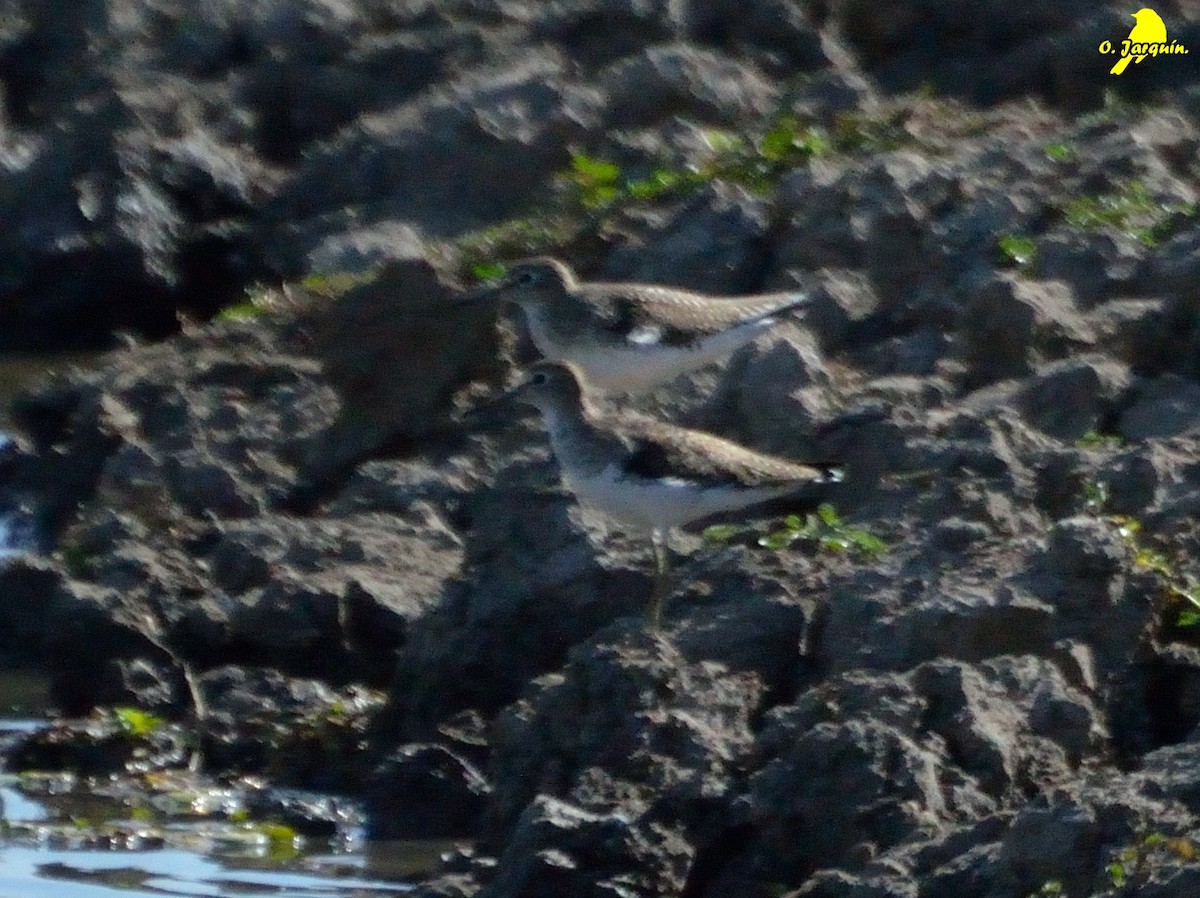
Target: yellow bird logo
1150, 29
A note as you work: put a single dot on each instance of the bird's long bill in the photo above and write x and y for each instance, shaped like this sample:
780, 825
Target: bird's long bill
492, 289
485, 293
497, 409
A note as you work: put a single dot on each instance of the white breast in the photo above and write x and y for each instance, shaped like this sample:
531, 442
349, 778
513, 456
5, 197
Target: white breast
646, 505
633, 366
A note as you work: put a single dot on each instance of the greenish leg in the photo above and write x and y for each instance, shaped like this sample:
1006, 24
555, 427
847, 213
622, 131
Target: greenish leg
662, 578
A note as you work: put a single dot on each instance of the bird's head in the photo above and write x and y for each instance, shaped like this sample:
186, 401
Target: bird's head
536, 281
549, 385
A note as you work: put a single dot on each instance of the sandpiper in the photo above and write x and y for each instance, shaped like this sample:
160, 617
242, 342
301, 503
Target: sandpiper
650, 476
629, 338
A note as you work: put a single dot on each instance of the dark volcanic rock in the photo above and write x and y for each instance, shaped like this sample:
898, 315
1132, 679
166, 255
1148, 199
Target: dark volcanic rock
178, 154
426, 792
977, 673
622, 789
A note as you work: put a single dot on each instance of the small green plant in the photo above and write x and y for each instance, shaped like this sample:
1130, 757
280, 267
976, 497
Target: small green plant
1051, 889
1059, 152
859, 132
1117, 874
1131, 210
256, 301
1093, 439
823, 527
488, 271
260, 299
722, 533
788, 142
242, 311
1095, 496
1188, 593
281, 836
1180, 589
599, 184
332, 284
597, 181
531, 236
827, 530
1017, 249
757, 164
1135, 862
137, 722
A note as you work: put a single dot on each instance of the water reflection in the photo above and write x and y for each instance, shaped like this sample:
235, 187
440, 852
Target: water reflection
49, 845
19, 371
24, 700
61, 837
34, 873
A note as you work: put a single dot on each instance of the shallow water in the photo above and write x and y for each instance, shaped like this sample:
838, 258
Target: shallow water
13, 537
63, 836
35, 872
19, 371
66, 837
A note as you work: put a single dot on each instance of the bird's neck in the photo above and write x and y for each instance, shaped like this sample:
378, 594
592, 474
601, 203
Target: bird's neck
580, 445
554, 320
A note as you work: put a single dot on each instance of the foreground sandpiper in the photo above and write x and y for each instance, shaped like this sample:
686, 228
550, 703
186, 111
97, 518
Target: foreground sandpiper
629, 338
649, 476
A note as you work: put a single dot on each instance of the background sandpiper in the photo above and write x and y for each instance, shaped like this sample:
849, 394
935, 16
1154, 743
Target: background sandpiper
651, 476
629, 338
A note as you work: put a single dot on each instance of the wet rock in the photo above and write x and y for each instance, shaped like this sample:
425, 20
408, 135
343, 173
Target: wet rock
680, 80
1087, 548
407, 313
840, 308
1174, 268
840, 884
1058, 727
308, 814
505, 126
1070, 398
28, 588
296, 587
559, 850
1010, 325
1096, 266
102, 746
278, 514
965, 622
425, 791
597, 790
776, 396
1164, 407
303, 732
715, 244
832, 773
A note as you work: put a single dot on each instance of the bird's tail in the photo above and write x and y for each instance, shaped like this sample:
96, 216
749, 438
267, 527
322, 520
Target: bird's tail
829, 473
795, 301
1120, 66
776, 303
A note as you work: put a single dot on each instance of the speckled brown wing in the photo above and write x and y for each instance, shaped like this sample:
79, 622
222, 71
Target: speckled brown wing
660, 451
679, 317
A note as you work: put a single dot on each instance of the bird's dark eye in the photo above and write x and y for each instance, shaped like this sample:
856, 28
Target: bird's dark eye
539, 378
527, 277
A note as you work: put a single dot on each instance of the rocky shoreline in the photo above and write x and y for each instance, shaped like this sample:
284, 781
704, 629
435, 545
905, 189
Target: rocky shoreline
276, 530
